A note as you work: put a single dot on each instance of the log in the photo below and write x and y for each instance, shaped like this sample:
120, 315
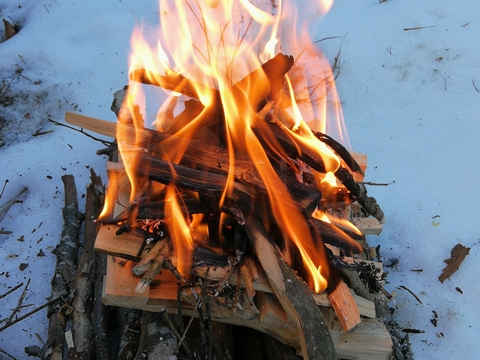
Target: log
157, 341
249, 194
82, 315
67, 253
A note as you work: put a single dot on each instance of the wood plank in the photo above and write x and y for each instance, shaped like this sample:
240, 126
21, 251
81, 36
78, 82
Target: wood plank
345, 307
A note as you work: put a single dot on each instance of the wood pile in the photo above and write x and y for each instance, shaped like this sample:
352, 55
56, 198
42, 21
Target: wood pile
248, 281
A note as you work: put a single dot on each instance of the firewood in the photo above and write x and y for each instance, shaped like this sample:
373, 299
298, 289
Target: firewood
147, 259
458, 254
164, 298
84, 278
247, 279
344, 305
152, 272
156, 340
245, 196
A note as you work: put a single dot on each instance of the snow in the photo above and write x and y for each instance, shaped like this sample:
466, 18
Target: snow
409, 101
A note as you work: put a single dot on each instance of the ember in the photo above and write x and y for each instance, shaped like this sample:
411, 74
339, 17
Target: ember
238, 178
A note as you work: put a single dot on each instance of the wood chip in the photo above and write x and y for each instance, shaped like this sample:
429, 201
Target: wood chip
458, 254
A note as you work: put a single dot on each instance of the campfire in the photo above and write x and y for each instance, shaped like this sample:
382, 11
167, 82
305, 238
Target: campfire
240, 199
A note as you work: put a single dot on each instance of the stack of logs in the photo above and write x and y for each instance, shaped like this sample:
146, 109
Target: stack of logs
240, 277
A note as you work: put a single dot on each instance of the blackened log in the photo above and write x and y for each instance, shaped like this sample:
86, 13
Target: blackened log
249, 194
280, 131
330, 234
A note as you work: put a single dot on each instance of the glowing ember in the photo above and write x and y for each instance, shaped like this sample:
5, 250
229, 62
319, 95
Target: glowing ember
217, 52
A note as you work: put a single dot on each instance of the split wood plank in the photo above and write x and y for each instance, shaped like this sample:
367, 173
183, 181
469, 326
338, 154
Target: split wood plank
345, 307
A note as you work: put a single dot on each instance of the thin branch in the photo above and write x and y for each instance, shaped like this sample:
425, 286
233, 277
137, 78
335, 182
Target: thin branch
51, 302
411, 292
5, 207
419, 28
475, 86
104, 142
11, 290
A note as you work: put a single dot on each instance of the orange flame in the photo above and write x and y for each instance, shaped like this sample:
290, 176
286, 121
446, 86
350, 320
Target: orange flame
215, 44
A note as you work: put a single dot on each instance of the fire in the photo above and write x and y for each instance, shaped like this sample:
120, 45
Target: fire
213, 51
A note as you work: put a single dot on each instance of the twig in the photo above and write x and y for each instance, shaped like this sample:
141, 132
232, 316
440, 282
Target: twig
38, 133
5, 207
19, 306
104, 142
336, 63
11, 290
6, 182
375, 184
411, 292
7, 354
51, 302
175, 331
419, 28
475, 86
188, 325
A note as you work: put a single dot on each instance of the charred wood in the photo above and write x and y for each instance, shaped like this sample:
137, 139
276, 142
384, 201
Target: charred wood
359, 191
249, 194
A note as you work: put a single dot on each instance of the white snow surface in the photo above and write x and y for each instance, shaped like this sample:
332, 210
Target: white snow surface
411, 102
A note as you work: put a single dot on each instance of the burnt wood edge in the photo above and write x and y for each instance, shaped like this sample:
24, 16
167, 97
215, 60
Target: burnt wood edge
359, 191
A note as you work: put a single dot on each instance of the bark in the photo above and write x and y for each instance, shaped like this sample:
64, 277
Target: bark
157, 341
65, 270
83, 284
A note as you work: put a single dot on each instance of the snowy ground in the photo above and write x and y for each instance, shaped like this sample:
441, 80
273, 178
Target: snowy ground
409, 98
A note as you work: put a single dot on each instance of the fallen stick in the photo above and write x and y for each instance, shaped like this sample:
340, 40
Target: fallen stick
82, 326
67, 253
